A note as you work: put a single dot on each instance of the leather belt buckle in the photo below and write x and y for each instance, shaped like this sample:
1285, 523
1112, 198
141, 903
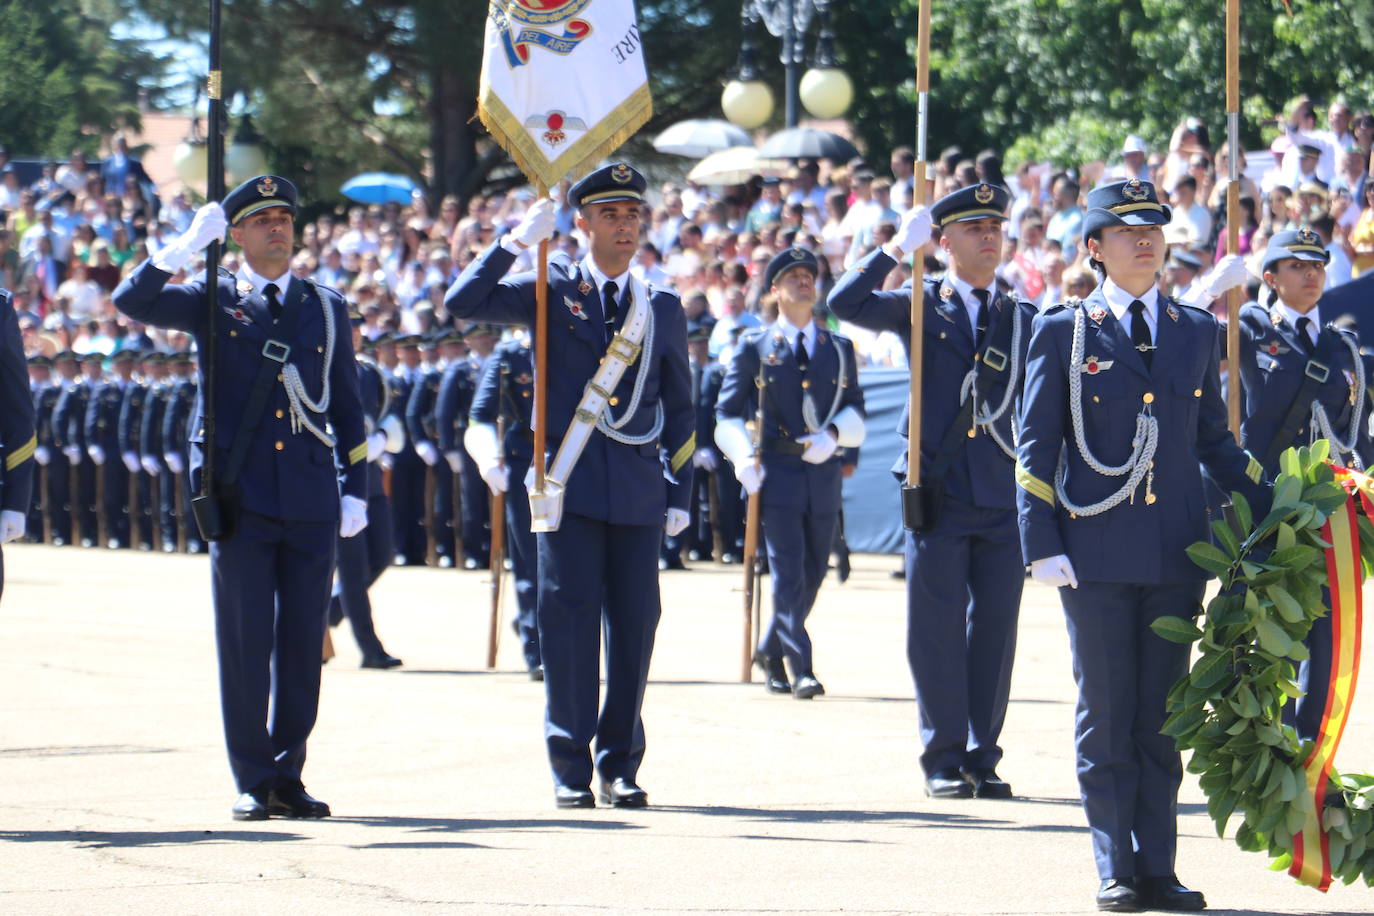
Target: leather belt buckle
995, 359
276, 350
1317, 372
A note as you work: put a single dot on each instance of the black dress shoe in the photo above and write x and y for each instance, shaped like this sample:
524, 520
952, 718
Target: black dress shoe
948, 783
570, 797
842, 568
807, 687
537, 673
774, 673
251, 806
987, 784
1118, 895
729, 559
294, 801
382, 661
1167, 894
622, 793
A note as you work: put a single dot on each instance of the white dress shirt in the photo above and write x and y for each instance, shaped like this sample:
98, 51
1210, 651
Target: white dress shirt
1119, 301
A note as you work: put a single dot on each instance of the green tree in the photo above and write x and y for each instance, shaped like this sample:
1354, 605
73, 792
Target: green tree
67, 79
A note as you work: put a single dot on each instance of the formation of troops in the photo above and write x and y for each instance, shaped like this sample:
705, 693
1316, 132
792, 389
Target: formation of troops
1088, 443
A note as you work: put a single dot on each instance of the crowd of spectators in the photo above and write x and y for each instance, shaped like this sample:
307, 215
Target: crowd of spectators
69, 235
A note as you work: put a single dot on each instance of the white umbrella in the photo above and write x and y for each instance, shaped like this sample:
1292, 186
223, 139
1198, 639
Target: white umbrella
735, 165
700, 137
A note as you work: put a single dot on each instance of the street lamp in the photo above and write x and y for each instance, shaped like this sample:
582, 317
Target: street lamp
825, 89
245, 159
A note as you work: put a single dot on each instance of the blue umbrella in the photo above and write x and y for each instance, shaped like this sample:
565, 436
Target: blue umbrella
379, 188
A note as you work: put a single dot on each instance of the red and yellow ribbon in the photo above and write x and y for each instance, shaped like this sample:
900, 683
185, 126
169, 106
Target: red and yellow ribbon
1311, 852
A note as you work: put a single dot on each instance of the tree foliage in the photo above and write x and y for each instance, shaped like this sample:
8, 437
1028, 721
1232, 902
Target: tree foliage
67, 79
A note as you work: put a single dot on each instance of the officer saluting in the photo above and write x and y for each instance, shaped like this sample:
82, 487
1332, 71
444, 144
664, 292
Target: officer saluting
963, 565
608, 501
1122, 404
288, 420
800, 382
18, 439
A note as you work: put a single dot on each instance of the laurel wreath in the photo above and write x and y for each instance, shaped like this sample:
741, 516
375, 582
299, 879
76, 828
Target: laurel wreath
1227, 710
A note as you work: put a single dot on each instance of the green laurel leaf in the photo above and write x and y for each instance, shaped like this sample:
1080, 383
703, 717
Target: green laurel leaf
1176, 629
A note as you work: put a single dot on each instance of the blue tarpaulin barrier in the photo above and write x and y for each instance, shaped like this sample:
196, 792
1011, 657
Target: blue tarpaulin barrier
872, 497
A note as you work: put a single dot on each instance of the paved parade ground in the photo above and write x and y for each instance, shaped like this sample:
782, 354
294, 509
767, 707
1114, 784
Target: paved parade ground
115, 791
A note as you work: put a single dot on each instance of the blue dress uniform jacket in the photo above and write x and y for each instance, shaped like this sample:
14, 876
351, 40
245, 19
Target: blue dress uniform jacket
18, 439
68, 423
964, 574
601, 565
505, 391
1130, 559
451, 419
285, 475
407, 476
420, 427
1138, 541
730, 504
948, 356
617, 483
1274, 367
801, 501
136, 400
58, 470
150, 446
271, 578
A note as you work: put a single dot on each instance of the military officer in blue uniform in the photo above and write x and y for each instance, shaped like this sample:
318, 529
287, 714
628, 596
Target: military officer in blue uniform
43, 395
1302, 381
161, 486
137, 401
963, 562
420, 425
505, 392
68, 423
291, 460
49, 453
1122, 408
175, 423
18, 438
101, 432
407, 467
616, 459
801, 383
363, 559
452, 401
697, 540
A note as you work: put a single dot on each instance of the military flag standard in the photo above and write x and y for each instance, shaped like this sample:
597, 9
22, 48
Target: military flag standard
563, 83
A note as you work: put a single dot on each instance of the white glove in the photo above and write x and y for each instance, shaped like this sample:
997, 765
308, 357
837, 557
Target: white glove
537, 223
97, 454
1229, 273
174, 462
131, 461
750, 477
208, 225
455, 461
497, 477
11, 525
376, 444
352, 516
914, 231
151, 466
675, 522
1055, 571
395, 433
42, 455
73, 453
428, 453
819, 447
705, 458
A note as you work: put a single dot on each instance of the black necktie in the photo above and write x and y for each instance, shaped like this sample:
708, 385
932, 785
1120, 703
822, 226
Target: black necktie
273, 302
981, 327
1140, 333
608, 303
1305, 334
803, 358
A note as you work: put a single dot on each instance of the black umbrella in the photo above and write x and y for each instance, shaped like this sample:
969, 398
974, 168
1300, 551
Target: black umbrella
808, 143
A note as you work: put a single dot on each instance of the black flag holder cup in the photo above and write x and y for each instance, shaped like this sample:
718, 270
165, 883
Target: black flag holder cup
212, 508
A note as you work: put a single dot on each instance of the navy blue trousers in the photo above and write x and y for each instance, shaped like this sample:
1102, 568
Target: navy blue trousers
1128, 773
361, 561
270, 584
963, 591
798, 542
595, 577
408, 506
1314, 677
524, 561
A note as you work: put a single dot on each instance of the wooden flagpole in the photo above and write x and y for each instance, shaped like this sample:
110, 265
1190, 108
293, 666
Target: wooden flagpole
541, 351
1233, 296
918, 198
